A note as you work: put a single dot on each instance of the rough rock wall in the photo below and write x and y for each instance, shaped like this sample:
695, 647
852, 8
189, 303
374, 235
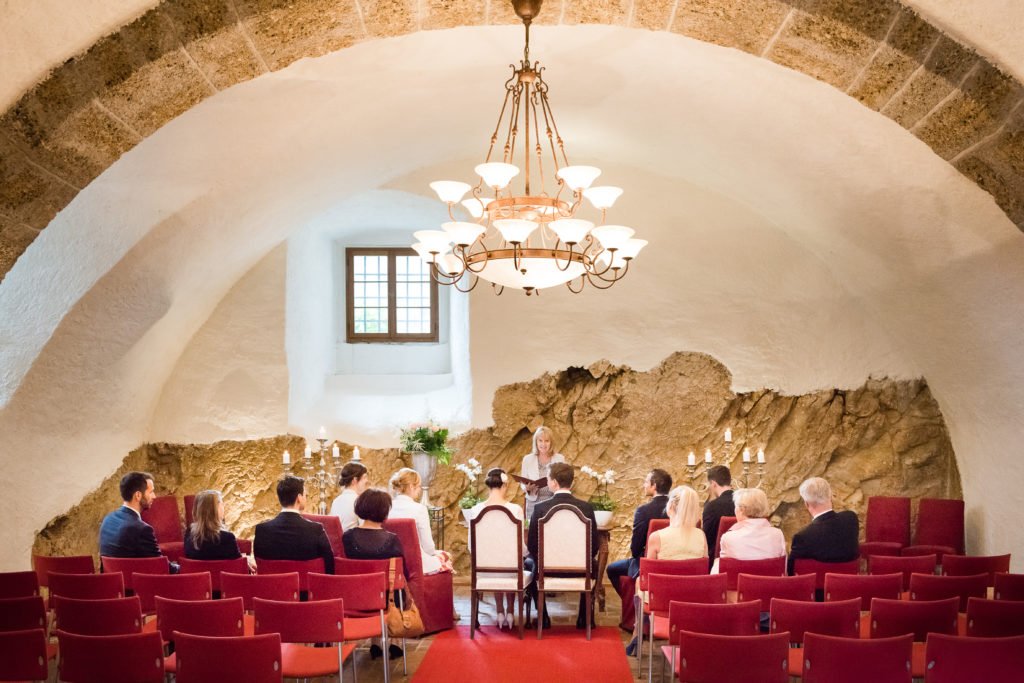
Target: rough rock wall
884, 438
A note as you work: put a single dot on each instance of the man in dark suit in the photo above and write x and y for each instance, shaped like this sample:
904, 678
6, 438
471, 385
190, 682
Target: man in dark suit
560, 478
718, 505
831, 536
290, 536
123, 533
657, 484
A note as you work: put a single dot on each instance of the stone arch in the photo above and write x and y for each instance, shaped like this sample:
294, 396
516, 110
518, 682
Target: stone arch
95, 107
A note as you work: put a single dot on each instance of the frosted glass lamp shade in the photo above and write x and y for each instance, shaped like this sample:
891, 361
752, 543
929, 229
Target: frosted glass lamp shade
571, 230
422, 251
450, 264
610, 236
612, 257
434, 241
602, 197
497, 174
463, 233
475, 206
450, 191
631, 248
515, 229
579, 177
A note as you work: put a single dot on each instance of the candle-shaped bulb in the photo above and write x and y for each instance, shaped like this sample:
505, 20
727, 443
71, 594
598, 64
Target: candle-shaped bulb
308, 453
760, 456
336, 452
355, 453
728, 435
746, 455
286, 458
707, 456
323, 432
691, 459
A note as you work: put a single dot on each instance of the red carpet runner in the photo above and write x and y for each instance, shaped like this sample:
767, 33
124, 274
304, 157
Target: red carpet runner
498, 656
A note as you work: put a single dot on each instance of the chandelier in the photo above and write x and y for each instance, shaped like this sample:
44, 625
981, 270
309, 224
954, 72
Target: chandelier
526, 237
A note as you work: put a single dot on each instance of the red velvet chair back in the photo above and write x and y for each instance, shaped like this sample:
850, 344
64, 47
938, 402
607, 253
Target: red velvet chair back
931, 587
165, 518
896, 617
966, 565
405, 529
1009, 587
112, 617
865, 587
177, 586
25, 614
952, 659
332, 526
728, 619
994, 618
731, 567
319, 621
905, 565
764, 588
648, 566
829, 618
663, 589
253, 659
363, 593
129, 566
888, 520
130, 658
214, 568
85, 586
190, 509
724, 524
434, 594
222, 618
250, 586
344, 565
820, 569
940, 522
828, 659
18, 584
761, 658
71, 564
23, 655
302, 567
656, 524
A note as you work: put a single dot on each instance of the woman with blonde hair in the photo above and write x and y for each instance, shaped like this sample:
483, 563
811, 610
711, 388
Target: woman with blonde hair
406, 489
537, 465
681, 540
206, 538
752, 537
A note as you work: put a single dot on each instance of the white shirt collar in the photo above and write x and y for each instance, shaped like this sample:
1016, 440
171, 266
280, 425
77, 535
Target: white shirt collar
820, 514
291, 510
137, 513
565, 491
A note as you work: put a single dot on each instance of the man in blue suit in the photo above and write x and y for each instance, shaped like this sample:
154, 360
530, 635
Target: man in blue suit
123, 533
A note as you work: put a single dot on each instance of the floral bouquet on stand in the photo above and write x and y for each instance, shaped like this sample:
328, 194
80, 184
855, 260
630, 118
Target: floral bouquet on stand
427, 438
602, 503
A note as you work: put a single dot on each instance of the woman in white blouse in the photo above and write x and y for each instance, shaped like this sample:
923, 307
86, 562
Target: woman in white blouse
354, 479
406, 488
537, 465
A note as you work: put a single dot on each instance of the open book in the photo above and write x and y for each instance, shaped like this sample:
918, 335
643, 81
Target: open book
539, 483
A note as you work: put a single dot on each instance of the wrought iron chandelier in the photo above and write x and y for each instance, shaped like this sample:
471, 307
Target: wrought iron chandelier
527, 238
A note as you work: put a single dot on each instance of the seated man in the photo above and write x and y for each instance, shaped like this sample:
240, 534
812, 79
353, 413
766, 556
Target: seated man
831, 536
123, 533
290, 536
656, 487
560, 478
719, 504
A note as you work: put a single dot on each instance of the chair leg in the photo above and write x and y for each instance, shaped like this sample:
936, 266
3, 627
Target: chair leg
341, 663
540, 613
519, 609
638, 630
650, 655
590, 611
385, 643
472, 613
405, 662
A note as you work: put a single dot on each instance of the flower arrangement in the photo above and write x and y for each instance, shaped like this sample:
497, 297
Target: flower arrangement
472, 470
429, 438
601, 500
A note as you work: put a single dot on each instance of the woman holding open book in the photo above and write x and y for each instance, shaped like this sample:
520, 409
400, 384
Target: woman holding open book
536, 466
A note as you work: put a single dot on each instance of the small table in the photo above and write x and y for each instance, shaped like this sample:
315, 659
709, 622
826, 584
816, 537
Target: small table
604, 535
437, 524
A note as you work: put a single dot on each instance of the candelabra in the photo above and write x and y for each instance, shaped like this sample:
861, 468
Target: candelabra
728, 449
324, 474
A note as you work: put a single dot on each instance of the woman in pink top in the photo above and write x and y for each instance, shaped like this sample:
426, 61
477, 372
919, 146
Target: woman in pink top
752, 537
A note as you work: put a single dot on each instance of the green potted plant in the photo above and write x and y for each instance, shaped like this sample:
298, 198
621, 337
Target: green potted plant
604, 506
470, 498
427, 445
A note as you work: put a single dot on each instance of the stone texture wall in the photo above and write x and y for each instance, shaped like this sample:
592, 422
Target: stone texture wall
884, 438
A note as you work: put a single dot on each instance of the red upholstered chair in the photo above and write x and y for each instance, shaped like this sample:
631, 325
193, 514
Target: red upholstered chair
897, 617
343, 565
433, 593
250, 586
627, 584
115, 616
214, 568
221, 618
319, 621
1009, 587
840, 619
71, 564
189, 503
244, 545
966, 565
22, 614
331, 525
85, 586
177, 586
729, 619
648, 566
828, 659
128, 566
23, 655
128, 658
994, 618
664, 589
764, 588
887, 526
762, 658
954, 659
905, 565
253, 659
939, 529
366, 602
731, 567
865, 587
18, 584
820, 569
165, 518
931, 587
301, 567
724, 524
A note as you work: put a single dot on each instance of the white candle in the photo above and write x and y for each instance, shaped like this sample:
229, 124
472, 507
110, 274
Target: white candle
355, 453
691, 459
287, 458
760, 456
308, 452
323, 432
746, 455
336, 452
728, 435
707, 456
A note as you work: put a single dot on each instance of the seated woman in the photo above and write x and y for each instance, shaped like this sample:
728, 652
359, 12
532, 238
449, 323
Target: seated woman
353, 480
206, 538
497, 486
406, 488
752, 537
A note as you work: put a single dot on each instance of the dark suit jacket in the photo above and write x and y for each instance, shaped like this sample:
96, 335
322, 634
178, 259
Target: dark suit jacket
224, 548
541, 509
652, 509
290, 536
832, 537
124, 534
714, 510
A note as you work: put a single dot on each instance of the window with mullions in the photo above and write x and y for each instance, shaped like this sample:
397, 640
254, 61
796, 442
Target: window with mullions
390, 296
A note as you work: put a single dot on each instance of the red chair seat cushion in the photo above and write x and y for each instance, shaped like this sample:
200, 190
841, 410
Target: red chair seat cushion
661, 627
796, 661
918, 663
360, 628
171, 664
301, 661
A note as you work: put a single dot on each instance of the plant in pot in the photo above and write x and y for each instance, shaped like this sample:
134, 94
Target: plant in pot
470, 498
427, 444
604, 506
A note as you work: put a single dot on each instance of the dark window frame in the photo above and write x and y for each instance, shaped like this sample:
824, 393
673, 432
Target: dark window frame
392, 335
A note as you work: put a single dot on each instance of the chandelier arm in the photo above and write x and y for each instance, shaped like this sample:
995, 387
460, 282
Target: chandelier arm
568, 261
483, 264
476, 281
618, 273
498, 289
539, 147
593, 260
593, 282
526, 140
442, 278
513, 125
583, 283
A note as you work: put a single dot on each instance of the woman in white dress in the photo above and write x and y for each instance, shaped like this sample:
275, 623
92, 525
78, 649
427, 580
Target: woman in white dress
497, 487
406, 489
353, 480
537, 465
